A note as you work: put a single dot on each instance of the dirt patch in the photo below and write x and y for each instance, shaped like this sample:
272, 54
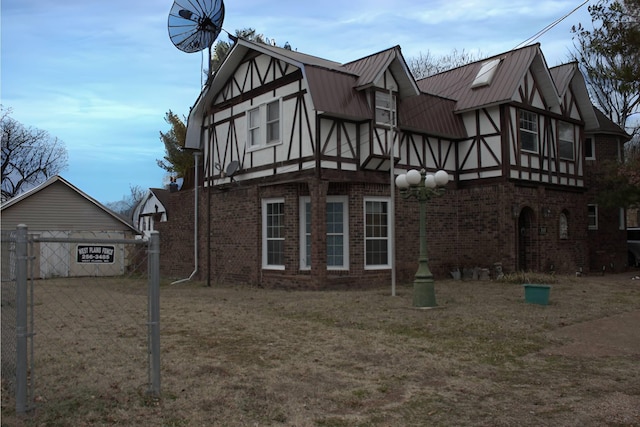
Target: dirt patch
611, 336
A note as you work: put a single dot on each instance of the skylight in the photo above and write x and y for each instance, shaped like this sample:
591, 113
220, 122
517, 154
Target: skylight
486, 73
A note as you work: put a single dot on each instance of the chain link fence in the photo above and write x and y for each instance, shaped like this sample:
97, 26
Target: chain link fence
82, 309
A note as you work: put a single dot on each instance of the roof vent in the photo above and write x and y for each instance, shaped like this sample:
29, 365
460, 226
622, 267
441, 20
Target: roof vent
486, 73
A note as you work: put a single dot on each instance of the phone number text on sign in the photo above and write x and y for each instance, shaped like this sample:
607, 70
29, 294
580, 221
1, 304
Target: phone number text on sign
95, 254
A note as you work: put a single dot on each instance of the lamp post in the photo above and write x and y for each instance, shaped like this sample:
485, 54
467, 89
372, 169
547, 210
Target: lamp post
423, 187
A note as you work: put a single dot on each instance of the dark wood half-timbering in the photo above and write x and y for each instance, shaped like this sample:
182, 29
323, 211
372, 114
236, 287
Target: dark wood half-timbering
300, 155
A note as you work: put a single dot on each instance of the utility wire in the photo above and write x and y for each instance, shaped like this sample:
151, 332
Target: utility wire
550, 26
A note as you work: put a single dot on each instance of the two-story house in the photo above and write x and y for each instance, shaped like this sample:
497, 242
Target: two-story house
311, 143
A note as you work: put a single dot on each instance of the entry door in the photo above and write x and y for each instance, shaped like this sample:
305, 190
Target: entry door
525, 240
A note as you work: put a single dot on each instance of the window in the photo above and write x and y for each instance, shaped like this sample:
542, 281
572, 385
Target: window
273, 122
385, 108
273, 233
305, 233
337, 220
529, 131
253, 121
593, 217
486, 73
565, 140
563, 224
377, 242
263, 125
337, 229
589, 149
622, 222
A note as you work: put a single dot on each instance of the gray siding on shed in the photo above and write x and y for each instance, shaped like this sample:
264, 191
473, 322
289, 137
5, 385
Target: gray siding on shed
59, 207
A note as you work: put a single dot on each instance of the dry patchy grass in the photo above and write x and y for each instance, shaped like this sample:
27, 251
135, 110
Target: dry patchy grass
238, 356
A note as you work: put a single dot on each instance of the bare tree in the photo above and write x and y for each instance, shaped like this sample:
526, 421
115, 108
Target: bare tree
128, 203
29, 156
426, 64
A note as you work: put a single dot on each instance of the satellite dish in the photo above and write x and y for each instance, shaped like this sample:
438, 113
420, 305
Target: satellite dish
232, 168
195, 24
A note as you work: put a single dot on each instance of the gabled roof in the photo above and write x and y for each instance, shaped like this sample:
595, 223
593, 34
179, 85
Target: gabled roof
568, 76
334, 88
161, 194
55, 179
457, 84
370, 69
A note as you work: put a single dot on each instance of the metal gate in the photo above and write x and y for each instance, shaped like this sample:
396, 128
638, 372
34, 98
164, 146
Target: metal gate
100, 321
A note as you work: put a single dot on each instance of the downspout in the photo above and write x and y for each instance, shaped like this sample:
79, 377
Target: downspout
196, 155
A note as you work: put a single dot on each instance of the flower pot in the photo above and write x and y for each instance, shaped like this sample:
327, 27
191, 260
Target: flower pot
537, 294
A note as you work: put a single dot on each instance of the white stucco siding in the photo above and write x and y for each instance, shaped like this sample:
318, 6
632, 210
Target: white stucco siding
532, 95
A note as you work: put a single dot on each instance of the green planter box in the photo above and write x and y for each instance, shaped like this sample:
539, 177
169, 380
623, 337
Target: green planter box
537, 294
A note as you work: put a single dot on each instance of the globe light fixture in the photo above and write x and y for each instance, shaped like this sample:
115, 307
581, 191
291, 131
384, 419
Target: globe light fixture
423, 187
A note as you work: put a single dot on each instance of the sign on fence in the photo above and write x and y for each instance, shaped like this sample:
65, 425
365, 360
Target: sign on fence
95, 254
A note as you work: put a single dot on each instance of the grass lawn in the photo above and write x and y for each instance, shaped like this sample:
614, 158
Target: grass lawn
243, 356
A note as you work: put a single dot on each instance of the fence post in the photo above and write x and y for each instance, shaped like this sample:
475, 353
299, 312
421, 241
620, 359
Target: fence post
21, 318
154, 312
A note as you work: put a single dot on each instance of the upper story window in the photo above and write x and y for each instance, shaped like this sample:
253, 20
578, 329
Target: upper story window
589, 149
565, 140
529, 131
385, 108
263, 125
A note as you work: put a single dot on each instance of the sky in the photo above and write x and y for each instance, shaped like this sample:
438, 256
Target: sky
101, 75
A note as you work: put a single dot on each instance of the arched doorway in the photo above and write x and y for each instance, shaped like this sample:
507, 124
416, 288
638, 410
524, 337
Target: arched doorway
526, 236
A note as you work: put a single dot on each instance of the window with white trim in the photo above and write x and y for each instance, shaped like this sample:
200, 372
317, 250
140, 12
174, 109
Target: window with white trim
593, 216
337, 229
565, 140
385, 108
377, 235
264, 125
273, 233
528, 131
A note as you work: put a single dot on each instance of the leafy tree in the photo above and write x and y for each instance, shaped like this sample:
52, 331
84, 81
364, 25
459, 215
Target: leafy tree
425, 65
221, 48
177, 161
609, 55
30, 156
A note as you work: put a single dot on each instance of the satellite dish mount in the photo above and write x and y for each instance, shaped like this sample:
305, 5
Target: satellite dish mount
195, 24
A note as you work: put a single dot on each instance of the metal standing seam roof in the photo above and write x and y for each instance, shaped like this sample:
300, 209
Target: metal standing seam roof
334, 93
432, 114
456, 83
562, 75
608, 126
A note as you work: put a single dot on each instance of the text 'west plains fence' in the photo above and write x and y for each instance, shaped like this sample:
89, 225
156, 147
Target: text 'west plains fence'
80, 309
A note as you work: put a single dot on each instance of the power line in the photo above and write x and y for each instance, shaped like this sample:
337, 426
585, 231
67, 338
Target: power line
550, 26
